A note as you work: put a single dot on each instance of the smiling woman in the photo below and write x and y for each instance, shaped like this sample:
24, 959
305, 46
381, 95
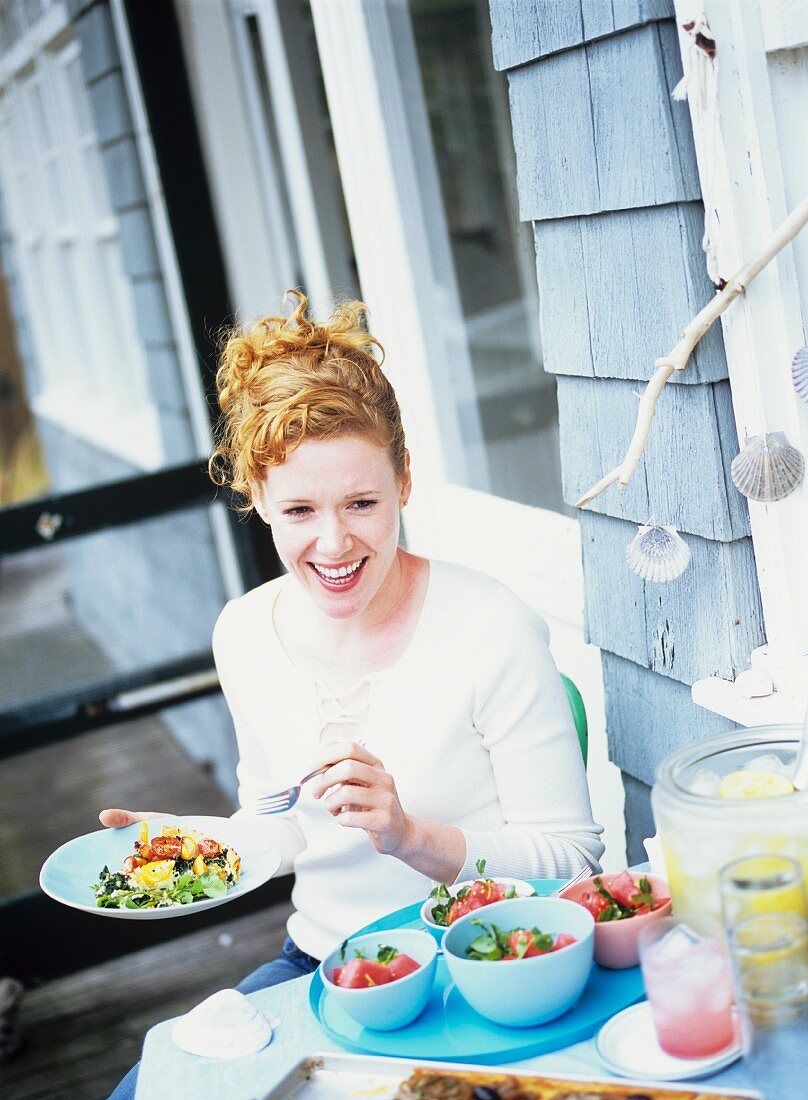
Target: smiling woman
424, 691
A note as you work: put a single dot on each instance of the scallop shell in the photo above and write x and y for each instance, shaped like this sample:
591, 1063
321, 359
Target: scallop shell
799, 372
658, 554
768, 468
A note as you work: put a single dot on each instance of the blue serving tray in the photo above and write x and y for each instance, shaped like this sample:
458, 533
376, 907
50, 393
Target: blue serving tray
450, 1030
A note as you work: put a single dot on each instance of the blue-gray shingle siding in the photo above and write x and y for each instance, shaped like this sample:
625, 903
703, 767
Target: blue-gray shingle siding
596, 418
607, 173
526, 29
595, 128
599, 274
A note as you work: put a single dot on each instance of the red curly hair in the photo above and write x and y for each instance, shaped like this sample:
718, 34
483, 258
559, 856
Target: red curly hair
285, 379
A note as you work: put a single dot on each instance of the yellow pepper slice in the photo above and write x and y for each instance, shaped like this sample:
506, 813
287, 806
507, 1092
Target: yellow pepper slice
156, 873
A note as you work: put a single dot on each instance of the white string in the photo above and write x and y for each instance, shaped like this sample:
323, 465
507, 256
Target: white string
699, 86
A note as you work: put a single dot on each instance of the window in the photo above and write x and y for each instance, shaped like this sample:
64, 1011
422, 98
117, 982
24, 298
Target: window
64, 234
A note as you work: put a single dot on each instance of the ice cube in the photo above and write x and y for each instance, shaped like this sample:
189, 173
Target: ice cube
768, 763
705, 783
676, 944
680, 1000
719, 998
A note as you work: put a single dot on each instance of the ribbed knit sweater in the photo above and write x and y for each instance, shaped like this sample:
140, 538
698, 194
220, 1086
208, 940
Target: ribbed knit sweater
472, 722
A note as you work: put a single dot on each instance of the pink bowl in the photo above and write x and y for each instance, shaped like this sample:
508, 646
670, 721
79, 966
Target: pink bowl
616, 941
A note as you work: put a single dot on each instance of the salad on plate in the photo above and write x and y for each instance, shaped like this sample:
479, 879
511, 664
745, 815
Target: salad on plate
171, 869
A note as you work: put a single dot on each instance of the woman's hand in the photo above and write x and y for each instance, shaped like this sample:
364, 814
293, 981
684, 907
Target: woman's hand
119, 819
360, 794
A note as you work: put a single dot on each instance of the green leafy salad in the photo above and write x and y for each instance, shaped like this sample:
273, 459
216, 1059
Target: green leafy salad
165, 871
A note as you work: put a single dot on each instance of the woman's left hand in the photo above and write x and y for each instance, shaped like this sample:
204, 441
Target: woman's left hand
360, 794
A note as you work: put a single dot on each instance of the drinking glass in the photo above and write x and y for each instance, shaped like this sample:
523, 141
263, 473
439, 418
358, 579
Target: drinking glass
688, 981
761, 884
770, 963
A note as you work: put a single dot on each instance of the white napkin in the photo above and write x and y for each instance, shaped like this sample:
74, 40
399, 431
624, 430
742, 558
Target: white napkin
226, 1025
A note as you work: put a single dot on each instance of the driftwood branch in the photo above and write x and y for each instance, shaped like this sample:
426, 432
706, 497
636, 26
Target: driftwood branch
677, 358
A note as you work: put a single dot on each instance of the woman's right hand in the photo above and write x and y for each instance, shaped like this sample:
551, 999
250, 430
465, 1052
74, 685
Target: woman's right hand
119, 819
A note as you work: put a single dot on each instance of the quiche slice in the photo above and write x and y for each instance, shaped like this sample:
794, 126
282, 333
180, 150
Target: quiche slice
429, 1084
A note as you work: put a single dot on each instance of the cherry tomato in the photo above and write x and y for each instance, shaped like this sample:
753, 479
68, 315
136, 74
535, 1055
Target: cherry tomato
563, 939
166, 847
207, 847
361, 974
624, 889
401, 966
131, 862
594, 902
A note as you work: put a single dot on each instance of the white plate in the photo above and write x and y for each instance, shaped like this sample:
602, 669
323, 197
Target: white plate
68, 874
628, 1046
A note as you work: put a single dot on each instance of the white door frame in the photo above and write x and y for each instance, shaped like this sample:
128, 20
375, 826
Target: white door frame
759, 154
383, 171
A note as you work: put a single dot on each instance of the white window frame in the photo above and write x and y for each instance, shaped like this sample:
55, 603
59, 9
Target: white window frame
762, 330
193, 392
96, 389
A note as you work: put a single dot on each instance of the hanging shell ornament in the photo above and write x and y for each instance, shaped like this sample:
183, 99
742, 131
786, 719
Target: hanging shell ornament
799, 373
768, 468
657, 554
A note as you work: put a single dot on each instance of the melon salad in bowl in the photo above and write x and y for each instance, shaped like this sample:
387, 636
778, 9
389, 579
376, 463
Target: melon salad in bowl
168, 870
447, 904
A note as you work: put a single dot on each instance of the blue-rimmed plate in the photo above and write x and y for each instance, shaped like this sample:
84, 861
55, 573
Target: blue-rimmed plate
68, 874
450, 1030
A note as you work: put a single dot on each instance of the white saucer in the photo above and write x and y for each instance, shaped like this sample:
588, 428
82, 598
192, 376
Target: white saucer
628, 1046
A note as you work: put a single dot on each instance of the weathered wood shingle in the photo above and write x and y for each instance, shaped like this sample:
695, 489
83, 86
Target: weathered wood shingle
526, 29
683, 477
617, 289
705, 623
650, 716
580, 118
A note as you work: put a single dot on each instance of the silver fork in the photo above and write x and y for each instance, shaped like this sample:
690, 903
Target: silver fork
579, 876
282, 801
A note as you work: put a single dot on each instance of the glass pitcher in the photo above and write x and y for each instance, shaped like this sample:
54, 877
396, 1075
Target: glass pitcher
701, 833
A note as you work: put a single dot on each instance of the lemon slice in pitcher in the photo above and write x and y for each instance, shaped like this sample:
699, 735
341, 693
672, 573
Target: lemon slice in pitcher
751, 783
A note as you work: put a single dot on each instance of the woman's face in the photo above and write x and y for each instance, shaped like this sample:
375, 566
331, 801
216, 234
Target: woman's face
333, 508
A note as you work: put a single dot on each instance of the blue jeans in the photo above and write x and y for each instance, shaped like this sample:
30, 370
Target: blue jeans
291, 963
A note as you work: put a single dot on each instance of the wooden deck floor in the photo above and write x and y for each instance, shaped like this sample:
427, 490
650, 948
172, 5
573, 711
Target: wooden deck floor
85, 1031
54, 793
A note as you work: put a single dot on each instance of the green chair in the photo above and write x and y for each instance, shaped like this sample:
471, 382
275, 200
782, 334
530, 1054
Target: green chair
578, 714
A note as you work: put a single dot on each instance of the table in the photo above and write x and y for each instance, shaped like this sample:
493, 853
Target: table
168, 1073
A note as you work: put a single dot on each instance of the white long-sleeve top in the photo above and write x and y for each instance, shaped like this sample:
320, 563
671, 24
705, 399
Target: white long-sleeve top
472, 722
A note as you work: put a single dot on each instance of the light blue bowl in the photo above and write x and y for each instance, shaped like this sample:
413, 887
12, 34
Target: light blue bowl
398, 1003
527, 991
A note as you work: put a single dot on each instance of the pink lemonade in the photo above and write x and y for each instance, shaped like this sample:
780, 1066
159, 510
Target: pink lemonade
689, 985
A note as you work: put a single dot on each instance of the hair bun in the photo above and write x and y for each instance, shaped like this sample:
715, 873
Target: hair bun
283, 379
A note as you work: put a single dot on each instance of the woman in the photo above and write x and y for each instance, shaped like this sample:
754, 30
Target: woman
426, 688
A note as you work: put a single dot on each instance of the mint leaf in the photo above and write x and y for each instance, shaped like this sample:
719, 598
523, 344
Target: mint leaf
542, 940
